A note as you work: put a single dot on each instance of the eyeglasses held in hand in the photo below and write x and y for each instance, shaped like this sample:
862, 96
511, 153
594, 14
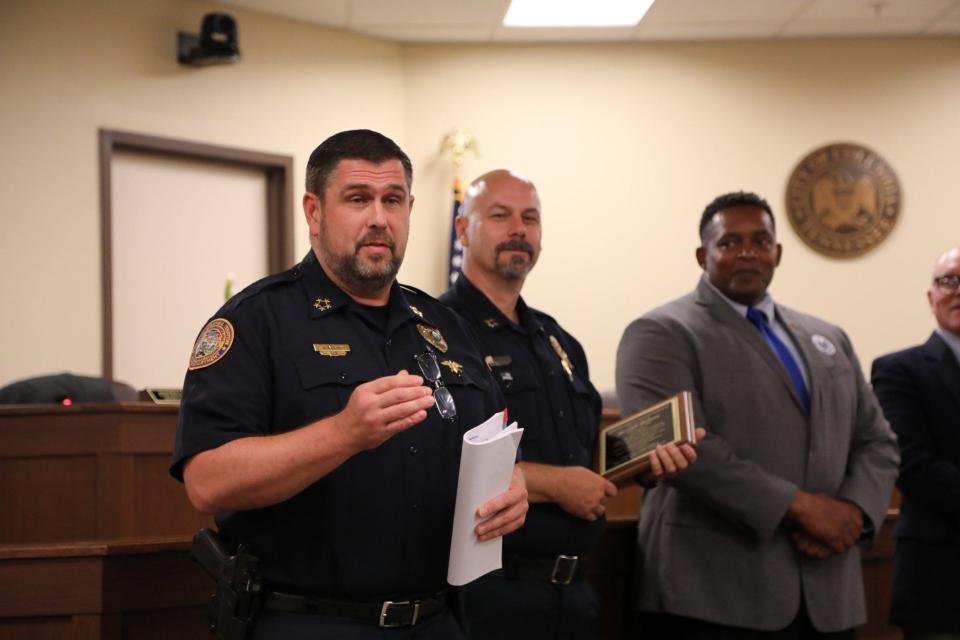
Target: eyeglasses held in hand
441, 395
948, 283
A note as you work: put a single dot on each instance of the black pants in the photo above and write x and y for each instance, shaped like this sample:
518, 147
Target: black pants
663, 625
499, 608
277, 625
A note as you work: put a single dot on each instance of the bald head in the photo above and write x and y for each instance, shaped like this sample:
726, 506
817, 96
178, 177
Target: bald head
944, 292
943, 262
499, 227
482, 186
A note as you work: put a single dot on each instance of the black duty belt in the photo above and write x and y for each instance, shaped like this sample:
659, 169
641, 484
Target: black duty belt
559, 569
389, 613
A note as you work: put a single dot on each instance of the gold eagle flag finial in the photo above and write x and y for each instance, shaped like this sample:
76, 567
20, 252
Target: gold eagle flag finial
456, 144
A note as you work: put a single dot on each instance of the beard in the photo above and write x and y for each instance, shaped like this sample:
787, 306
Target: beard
516, 267
364, 275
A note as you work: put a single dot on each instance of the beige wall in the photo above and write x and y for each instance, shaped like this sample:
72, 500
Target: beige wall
626, 142
69, 68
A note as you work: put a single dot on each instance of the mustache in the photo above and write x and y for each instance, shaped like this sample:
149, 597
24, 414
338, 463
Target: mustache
516, 244
379, 237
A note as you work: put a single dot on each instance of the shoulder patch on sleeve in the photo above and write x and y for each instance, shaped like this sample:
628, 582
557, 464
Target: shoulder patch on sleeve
213, 343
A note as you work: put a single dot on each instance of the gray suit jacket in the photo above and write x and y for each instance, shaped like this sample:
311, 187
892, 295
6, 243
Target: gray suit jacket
713, 545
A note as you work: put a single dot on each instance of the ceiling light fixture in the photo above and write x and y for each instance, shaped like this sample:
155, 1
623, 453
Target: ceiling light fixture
575, 13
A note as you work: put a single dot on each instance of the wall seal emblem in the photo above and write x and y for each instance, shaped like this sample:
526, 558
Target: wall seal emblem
843, 200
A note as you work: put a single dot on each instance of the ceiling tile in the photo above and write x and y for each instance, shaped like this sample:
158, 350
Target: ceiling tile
329, 12
853, 28
427, 12
479, 20
721, 10
944, 27
708, 31
560, 34
830, 10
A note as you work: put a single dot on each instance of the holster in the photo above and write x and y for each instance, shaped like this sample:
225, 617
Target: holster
237, 602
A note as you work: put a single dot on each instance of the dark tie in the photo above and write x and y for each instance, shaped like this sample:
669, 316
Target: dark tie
759, 320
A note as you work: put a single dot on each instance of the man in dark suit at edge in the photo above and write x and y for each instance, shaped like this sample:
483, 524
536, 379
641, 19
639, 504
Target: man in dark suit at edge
919, 390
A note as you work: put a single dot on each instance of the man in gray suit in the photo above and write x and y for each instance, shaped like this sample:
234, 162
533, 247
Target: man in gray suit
759, 538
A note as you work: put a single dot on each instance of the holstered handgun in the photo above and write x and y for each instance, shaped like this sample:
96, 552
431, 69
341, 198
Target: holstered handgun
234, 607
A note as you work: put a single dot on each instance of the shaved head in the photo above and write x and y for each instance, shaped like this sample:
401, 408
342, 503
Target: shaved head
482, 185
948, 257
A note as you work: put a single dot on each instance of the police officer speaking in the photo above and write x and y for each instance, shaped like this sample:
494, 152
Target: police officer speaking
323, 414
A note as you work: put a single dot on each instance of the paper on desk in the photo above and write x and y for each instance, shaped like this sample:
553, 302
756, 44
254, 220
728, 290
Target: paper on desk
486, 466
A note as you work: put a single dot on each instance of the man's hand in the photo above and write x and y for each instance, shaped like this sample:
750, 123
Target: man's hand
583, 493
837, 524
506, 512
667, 460
382, 408
577, 490
809, 546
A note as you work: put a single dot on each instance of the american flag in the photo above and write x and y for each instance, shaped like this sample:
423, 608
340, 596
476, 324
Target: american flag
456, 249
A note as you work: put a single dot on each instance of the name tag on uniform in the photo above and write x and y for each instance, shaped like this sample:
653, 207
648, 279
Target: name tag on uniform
332, 350
497, 361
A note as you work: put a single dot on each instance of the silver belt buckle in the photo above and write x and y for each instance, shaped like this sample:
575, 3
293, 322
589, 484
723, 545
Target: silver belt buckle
385, 611
564, 569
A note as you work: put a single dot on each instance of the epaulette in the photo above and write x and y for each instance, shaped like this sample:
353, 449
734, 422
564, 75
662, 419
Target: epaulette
284, 277
416, 291
541, 316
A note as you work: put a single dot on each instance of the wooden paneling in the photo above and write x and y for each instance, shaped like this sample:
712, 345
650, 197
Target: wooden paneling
119, 589
98, 472
47, 498
86, 493
165, 512
89, 472
878, 580
37, 628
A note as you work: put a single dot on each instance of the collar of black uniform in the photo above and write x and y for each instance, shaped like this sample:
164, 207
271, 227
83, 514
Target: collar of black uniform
489, 316
325, 297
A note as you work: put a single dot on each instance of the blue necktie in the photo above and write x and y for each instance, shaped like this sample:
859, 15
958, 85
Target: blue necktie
759, 320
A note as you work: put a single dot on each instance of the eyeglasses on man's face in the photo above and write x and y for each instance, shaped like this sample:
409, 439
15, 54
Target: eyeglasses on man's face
441, 395
948, 283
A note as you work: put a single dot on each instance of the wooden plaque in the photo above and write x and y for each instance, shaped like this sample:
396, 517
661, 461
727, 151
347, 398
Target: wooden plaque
625, 446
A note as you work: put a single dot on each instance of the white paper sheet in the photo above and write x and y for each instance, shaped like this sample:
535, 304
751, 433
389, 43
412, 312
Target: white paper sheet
486, 466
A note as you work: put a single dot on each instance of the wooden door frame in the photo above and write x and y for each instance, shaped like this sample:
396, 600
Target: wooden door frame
278, 170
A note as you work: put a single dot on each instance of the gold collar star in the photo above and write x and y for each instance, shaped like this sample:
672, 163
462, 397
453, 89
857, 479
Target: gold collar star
490, 322
416, 312
455, 367
322, 304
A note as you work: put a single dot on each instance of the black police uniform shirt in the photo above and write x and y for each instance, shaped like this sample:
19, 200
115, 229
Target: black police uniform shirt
289, 350
559, 413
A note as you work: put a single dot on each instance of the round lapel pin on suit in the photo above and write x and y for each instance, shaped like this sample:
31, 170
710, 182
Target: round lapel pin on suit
823, 345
